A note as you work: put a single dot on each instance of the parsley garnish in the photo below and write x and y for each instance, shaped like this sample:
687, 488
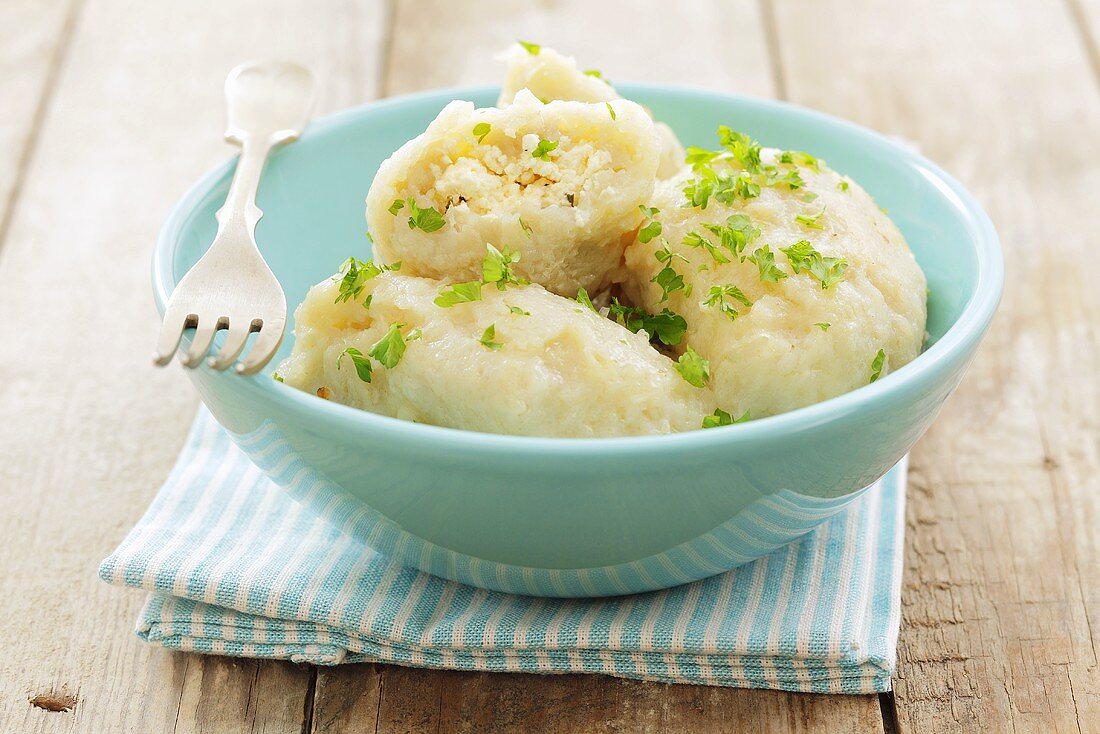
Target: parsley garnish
396, 206
813, 221
765, 262
497, 268
593, 72
694, 239
427, 219
736, 234
667, 327
355, 274
800, 158
361, 362
459, 293
526, 227
481, 130
827, 270
670, 281
653, 228
823, 325
390, 348
584, 300
276, 376
487, 337
543, 149
843, 185
693, 368
718, 295
722, 418
877, 365
531, 48
744, 149
518, 311
610, 110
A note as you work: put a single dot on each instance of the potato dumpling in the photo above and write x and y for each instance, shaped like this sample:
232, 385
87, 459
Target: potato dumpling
519, 361
789, 276
549, 75
560, 183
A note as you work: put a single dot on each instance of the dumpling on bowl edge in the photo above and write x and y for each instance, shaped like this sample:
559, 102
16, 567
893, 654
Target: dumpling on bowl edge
794, 285
518, 361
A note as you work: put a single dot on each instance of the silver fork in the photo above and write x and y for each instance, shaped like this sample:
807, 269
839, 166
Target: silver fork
231, 287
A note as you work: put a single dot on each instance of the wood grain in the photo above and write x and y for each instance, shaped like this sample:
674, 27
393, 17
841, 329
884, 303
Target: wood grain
34, 36
1001, 599
89, 428
411, 700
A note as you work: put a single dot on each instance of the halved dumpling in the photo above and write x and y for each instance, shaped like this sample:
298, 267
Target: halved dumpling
550, 75
519, 361
559, 183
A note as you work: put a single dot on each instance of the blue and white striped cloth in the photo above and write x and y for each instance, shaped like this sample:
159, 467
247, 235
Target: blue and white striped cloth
237, 567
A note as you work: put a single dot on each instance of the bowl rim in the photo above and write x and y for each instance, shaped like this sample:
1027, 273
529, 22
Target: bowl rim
956, 341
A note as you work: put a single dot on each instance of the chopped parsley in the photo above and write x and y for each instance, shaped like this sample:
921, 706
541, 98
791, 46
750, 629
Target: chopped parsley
670, 282
653, 227
736, 234
276, 376
526, 227
877, 364
518, 311
813, 221
718, 295
722, 418
390, 348
497, 268
800, 158
354, 276
427, 218
593, 72
741, 147
610, 110
843, 185
481, 130
459, 293
765, 263
693, 368
823, 325
827, 270
396, 206
694, 239
360, 360
584, 300
667, 327
487, 337
543, 149
531, 48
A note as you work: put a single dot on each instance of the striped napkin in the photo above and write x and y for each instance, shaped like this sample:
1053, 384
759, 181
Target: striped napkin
237, 567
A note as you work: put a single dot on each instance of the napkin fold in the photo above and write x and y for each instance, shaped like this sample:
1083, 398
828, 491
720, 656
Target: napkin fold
237, 567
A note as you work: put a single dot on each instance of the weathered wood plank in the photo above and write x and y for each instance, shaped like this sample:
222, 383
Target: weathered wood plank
461, 52
89, 427
1003, 564
33, 39
504, 702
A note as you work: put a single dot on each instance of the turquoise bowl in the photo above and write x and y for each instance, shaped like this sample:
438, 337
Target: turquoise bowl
585, 517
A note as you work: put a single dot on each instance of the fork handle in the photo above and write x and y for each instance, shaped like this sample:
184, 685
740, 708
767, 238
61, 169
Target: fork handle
269, 103
240, 208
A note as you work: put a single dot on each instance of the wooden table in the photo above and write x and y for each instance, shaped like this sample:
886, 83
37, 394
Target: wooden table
111, 108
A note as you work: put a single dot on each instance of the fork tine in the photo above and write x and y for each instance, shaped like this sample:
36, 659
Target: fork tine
267, 343
200, 344
234, 343
171, 330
